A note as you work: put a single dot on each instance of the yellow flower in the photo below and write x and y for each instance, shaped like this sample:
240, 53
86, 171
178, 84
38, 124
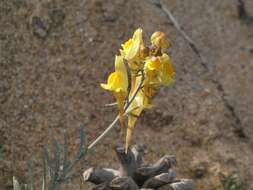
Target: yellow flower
151, 68
158, 71
167, 71
118, 83
159, 40
133, 50
152, 63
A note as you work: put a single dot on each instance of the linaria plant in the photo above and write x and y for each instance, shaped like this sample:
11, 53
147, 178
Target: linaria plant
140, 71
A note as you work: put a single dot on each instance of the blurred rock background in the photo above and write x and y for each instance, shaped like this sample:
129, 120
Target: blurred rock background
54, 54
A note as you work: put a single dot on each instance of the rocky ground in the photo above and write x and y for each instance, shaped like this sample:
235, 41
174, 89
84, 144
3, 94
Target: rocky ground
54, 54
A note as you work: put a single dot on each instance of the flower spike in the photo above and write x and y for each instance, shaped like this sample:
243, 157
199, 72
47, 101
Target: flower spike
139, 73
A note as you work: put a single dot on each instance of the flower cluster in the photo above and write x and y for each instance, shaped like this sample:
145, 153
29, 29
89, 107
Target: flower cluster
139, 72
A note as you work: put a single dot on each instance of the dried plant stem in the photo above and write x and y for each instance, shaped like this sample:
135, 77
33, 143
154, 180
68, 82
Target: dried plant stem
109, 128
112, 125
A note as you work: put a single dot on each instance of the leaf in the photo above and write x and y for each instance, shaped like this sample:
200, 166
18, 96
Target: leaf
65, 151
82, 146
47, 162
16, 185
57, 157
31, 175
45, 171
55, 167
43, 187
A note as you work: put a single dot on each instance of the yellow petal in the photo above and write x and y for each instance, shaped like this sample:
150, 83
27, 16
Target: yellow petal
115, 82
131, 48
121, 68
150, 89
152, 69
153, 63
127, 45
105, 86
167, 72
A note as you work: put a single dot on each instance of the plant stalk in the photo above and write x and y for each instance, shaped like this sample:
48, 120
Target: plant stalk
112, 125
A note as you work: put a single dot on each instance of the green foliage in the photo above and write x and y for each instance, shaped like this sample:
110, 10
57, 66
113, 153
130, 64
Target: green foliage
57, 168
233, 182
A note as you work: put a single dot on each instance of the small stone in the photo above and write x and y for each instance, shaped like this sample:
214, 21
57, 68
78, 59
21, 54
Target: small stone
57, 17
40, 27
200, 171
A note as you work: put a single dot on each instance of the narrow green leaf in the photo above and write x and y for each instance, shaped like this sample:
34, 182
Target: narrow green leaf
57, 157
82, 147
55, 166
47, 162
43, 187
16, 185
25, 187
65, 151
79, 155
31, 175
45, 171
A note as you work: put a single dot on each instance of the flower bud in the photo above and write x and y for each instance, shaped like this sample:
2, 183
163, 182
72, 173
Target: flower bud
159, 40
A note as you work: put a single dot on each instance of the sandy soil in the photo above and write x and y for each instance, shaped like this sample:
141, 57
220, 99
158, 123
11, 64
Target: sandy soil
54, 54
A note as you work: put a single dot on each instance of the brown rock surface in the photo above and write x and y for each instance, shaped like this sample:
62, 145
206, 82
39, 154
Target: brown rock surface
54, 54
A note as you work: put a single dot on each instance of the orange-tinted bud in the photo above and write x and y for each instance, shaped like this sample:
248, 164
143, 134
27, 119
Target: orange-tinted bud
159, 40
